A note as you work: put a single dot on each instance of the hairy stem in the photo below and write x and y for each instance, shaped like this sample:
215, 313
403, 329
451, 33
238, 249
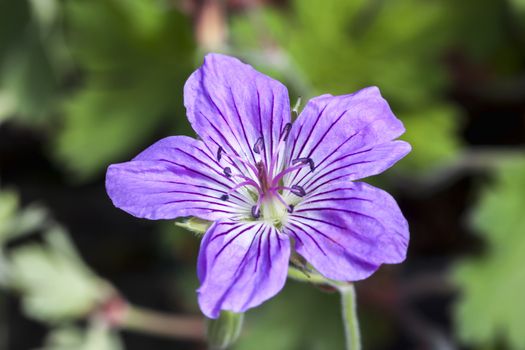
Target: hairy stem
350, 322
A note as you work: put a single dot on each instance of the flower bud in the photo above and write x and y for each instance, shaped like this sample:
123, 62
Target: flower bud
225, 330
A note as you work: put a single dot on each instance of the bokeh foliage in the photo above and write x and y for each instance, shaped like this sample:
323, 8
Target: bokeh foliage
101, 79
134, 57
490, 308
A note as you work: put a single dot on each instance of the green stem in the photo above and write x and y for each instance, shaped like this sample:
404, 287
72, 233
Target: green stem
350, 322
300, 276
152, 322
348, 303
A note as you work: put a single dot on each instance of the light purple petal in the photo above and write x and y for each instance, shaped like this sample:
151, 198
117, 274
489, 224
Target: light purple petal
174, 177
231, 105
240, 266
354, 166
346, 136
347, 230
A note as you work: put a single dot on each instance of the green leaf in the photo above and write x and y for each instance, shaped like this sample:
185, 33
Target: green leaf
30, 47
490, 307
432, 134
98, 336
54, 283
15, 221
136, 56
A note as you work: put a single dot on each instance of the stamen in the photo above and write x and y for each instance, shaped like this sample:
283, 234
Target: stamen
302, 163
298, 190
239, 185
256, 212
228, 171
290, 208
286, 132
233, 158
259, 145
219, 153
282, 140
295, 189
308, 161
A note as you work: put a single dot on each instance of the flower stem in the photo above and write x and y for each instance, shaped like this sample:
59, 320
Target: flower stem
348, 303
152, 322
350, 322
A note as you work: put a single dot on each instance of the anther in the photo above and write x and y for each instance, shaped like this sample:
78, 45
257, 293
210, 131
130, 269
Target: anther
258, 145
286, 131
308, 161
225, 197
298, 190
256, 213
290, 208
228, 171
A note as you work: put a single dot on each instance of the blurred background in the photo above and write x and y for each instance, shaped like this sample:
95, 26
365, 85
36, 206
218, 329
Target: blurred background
87, 83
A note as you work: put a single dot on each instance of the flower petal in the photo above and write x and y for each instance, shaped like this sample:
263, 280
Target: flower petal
240, 266
346, 136
348, 229
354, 166
231, 105
174, 177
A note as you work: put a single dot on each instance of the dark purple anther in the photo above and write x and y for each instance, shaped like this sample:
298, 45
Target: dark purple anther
225, 197
290, 208
298, 190
257, 148
305, 161
256, 213
228, 171
219, 153
286, 131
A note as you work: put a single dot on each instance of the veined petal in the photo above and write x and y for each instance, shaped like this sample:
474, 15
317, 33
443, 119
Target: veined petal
347, 230
355, 166
240, 266
231, 105
174, 177
338, 132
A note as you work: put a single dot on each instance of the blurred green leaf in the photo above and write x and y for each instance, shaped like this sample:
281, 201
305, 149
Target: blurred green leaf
342, 46
98, 336
136, 56
54, 283
15, 221
432, 134
491, 304
29, 48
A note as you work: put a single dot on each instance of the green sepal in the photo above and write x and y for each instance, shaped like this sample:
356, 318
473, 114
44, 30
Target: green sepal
195, 225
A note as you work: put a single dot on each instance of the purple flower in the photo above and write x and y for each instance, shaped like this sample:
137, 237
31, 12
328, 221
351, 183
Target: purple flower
269, 186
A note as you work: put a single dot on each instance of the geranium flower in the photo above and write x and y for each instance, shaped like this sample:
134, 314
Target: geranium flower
269, 186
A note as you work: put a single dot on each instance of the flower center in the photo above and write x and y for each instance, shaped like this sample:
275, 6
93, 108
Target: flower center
263, 181
274, 211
